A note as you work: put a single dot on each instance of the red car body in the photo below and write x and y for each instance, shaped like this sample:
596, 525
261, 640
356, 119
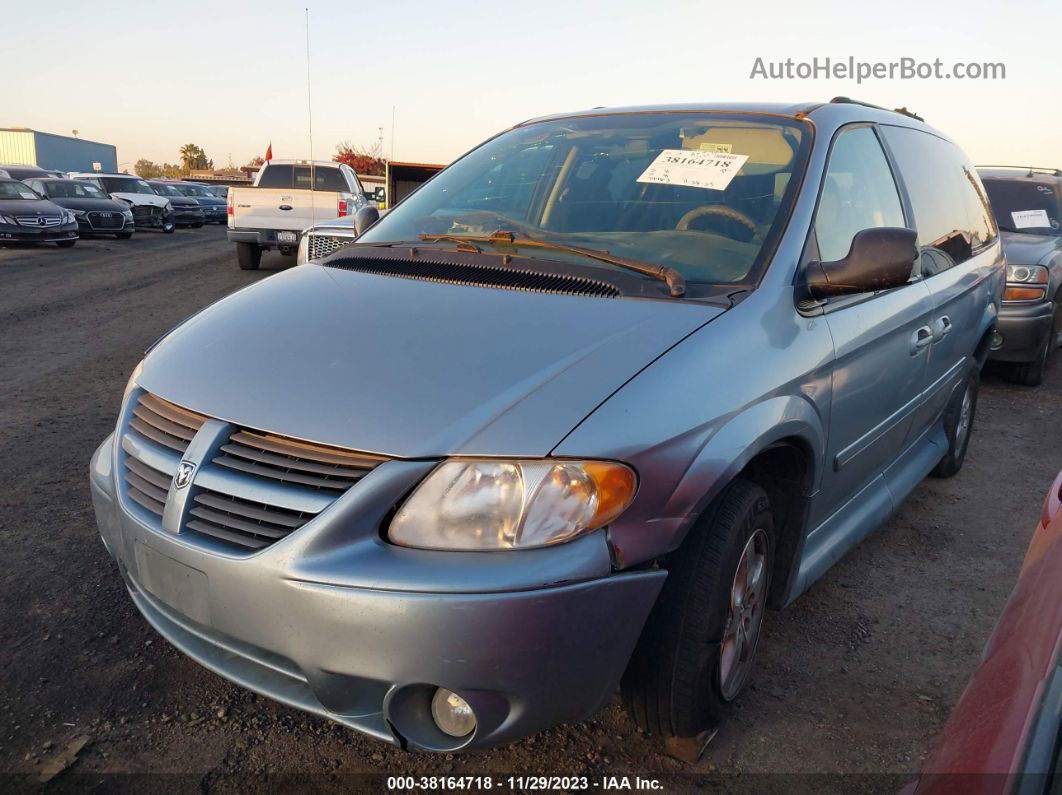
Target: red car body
1003, 735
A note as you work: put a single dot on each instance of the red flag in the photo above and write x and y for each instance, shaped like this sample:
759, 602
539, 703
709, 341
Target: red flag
269, 151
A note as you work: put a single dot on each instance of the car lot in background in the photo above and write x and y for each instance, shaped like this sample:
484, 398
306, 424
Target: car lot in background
150, 211
186, 210
858, 676
214, 208
28, 217
1027, 203
96, 212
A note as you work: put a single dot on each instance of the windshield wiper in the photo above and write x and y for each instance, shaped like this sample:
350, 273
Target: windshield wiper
672, 277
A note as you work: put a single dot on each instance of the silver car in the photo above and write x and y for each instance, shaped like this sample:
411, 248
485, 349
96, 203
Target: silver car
569, 418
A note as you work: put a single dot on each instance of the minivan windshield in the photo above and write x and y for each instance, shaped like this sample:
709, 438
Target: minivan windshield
1024, 205
704, 193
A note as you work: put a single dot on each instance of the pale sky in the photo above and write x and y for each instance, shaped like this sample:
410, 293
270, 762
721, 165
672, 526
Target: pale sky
231, 77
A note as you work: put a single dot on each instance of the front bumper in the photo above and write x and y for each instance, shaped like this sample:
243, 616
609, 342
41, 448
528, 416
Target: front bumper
14, 233
334, 621
1021, 330
188, 216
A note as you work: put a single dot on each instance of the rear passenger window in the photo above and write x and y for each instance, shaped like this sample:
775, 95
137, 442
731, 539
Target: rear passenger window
284, 176
951, 210
858, 193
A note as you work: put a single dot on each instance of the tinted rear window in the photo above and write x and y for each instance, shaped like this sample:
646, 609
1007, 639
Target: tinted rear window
282, 176
950, 206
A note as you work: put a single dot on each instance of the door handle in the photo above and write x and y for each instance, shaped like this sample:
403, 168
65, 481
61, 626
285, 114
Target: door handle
944, 324
920, 339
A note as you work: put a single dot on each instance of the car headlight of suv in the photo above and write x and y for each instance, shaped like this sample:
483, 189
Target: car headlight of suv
77, 213
7, 219
1026, 283
128, 213
496, 504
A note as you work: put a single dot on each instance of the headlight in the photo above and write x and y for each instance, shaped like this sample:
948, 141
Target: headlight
77, 213
488, 504
7, 219
1027, 274
1026, 283
168, 207
128, 213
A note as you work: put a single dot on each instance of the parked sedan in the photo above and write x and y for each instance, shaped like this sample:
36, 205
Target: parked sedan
95, 211
23, 172
150, 211
186, 211
215, 210
27, 217
1003, 735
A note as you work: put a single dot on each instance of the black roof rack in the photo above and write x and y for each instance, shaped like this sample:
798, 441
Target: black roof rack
1031, 169
850, 101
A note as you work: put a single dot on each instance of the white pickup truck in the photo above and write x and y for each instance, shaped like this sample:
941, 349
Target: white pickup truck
287, 197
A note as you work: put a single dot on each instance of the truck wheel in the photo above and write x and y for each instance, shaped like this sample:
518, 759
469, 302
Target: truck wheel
249, 255
697, 648
958, 425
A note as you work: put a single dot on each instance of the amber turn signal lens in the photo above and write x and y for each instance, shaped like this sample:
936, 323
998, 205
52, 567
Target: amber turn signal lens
1023, 294
615, 485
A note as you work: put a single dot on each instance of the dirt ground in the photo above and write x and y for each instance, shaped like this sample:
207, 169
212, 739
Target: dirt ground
854, 680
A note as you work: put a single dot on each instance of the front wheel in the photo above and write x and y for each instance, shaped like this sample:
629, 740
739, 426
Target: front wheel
123, 235
958, 426
697, 649
1032, 373
168, 228
66, 243
249, 256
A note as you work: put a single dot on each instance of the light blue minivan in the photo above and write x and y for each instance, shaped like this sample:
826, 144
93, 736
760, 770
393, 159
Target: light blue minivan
569, 417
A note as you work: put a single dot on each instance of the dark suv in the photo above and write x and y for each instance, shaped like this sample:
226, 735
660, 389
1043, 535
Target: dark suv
1027, 203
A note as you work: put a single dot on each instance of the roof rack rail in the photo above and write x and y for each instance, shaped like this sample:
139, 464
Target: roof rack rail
1031, 169
850, 101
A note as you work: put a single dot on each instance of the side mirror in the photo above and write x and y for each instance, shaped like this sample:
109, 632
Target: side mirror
364, 218
380, 194
879, 259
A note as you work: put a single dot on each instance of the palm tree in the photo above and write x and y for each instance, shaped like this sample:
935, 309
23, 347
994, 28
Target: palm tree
189, 155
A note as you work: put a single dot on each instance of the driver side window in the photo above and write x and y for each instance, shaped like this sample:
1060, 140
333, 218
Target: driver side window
858, 193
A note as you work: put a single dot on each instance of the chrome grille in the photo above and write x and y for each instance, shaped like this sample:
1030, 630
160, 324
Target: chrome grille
164, 423
147, 485
258, 487
318, 245
242, 522
280, 458
39, 220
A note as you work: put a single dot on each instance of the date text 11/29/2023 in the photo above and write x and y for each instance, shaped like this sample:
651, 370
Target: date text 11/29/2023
520, 783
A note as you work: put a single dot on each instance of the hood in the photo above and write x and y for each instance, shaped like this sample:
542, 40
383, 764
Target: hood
1024, 249
102, 205
27, 207
141, 199
182, 201
208, 202
411, 368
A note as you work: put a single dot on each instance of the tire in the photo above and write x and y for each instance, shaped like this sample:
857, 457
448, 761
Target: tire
958, 425
249, 255
169, 229
123, 235
66, 243
197, 226
678, 682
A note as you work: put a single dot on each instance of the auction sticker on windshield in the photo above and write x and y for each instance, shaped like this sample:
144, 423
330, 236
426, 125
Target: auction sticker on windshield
693, 169
1030, 219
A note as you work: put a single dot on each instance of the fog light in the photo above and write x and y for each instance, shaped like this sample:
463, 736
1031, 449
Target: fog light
452, 713
997, 340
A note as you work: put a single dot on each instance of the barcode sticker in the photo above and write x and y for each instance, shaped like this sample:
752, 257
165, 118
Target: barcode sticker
693, 169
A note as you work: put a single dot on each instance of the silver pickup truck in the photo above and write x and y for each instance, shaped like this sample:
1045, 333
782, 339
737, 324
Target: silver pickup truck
287, 197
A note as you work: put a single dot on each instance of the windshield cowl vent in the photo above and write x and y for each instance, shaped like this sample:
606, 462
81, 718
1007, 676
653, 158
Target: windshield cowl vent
433, 269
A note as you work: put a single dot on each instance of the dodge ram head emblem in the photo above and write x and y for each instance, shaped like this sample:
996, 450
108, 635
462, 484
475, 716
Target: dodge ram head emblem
184, 474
